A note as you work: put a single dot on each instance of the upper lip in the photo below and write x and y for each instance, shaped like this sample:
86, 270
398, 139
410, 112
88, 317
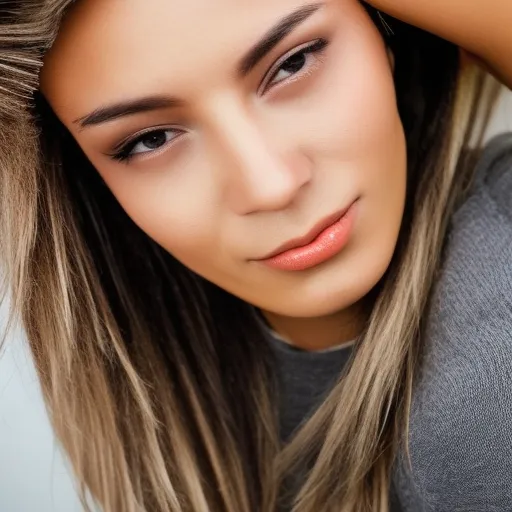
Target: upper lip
310, 235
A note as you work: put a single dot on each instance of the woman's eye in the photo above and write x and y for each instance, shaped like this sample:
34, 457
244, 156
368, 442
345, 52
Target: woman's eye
146, 143
300, 61
152, 141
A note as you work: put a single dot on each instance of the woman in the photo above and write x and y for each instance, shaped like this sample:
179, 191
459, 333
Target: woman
222, 223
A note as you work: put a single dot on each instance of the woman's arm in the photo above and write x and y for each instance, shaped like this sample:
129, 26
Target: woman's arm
482, 27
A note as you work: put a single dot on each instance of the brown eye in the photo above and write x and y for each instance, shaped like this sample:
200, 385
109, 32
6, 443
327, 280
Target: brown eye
297, 62
154, 140
146, 143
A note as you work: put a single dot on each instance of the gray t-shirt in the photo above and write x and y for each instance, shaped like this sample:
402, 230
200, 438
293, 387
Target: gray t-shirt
461, 419
304, 378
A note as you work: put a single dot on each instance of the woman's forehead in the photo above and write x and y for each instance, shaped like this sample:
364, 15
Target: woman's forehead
119, 45
117, 22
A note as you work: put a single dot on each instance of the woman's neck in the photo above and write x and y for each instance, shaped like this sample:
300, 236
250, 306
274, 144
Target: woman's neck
320, 333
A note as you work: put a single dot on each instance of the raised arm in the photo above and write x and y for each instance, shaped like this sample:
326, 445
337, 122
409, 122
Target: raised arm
482, 27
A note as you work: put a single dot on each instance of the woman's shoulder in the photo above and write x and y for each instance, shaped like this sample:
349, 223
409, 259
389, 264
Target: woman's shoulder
491, 195
478, 255
494, 168
461, 419
476, 273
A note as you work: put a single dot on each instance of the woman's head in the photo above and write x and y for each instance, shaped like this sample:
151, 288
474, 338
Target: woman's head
227, 129
135, 249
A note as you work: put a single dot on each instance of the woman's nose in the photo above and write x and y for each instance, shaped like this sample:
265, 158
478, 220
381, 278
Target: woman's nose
258, 176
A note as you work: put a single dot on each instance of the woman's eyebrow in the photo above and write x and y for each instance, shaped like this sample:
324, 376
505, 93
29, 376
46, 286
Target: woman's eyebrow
126, 108
267, 43
275, 35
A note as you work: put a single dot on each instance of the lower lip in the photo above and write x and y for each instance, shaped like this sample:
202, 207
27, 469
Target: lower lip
325, 246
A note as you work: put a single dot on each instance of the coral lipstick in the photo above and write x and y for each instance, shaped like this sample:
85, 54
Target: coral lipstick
324, 243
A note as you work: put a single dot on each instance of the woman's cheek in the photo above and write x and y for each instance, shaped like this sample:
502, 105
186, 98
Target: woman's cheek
183, 229
353, 109
176, 207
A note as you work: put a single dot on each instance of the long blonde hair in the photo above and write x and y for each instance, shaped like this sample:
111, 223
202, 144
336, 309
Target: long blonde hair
158, 384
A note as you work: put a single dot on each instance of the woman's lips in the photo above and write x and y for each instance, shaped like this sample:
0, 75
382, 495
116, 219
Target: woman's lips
324, 242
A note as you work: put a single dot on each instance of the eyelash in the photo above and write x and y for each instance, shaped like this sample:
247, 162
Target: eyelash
125, 151
314, 48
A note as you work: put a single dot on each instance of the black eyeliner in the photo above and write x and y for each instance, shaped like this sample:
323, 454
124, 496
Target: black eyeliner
122, 151
314, 47
123, 154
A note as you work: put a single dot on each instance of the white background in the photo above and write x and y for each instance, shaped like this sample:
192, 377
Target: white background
33, 475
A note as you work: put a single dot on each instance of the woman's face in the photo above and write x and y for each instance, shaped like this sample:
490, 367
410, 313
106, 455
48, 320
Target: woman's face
228, 128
